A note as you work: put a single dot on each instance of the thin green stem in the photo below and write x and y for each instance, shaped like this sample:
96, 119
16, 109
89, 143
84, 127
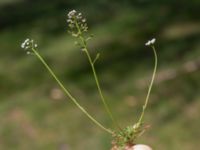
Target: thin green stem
150, 87
68, 93
100, 91
85, 49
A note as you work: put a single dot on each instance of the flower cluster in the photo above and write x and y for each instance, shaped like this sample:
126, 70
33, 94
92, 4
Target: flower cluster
28, 44
77, 23
150, 42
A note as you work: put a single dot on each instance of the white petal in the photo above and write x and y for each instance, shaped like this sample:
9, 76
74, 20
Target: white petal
23, 45
27, 40
148, 43
153, 41
83, 20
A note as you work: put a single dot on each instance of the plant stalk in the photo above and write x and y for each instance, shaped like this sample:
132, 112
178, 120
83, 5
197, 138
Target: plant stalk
150, 87
85, 49
68, 93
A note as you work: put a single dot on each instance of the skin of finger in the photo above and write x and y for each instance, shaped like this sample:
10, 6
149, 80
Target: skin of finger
140, 147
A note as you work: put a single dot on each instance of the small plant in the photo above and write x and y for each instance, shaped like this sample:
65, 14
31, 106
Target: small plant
122, 137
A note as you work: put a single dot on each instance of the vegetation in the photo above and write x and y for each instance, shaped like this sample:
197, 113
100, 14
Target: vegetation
34, 112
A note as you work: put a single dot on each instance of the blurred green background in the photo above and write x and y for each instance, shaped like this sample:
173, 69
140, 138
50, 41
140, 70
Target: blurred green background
35, 114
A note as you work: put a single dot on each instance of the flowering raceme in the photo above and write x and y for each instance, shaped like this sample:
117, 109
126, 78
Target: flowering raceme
27, 45
77, 24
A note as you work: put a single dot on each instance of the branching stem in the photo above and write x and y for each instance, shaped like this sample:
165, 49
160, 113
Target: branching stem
68, 93
85, 49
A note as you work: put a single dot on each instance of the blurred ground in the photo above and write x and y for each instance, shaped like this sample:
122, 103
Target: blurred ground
34, 113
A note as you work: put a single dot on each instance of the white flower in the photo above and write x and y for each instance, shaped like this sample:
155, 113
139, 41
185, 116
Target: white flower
25, 43
71, 13
28, 44
150, 42
22, 45
77, 23
153, 41
83, 20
